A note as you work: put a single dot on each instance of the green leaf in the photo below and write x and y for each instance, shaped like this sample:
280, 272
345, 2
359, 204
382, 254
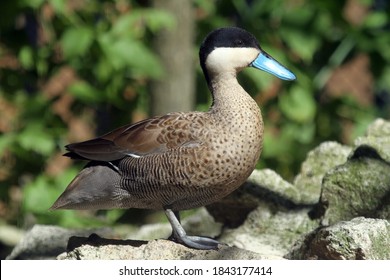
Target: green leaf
76, 41
60, 6
143, 61
105, 42
158, 19
376, 20
85, 92
298, 105
303, 43
26, 57
124, 26
301, 132
384, 81
275, 145
6, 141
206, 6
103, 70
128, 25
35, 137
299, 16
35, 4
131, 53
38, 195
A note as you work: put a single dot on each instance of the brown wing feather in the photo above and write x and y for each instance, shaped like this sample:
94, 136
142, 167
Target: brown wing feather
155, 135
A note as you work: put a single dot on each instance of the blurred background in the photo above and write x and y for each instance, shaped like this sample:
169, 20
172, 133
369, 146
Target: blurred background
72, 70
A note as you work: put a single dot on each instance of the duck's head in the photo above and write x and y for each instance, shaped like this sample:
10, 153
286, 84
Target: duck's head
231, 49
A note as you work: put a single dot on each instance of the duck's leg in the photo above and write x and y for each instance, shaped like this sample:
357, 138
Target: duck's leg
179, 235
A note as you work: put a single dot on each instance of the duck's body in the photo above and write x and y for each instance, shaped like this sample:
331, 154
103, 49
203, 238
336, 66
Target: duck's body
181, 160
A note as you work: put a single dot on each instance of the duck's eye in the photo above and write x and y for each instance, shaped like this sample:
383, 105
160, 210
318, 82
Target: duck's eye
238, 42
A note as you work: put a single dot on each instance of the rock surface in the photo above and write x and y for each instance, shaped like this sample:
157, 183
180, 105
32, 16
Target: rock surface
378, 137
357, 239
262, 186
360, 187
325, 157
270, 232
155, 250
47, 242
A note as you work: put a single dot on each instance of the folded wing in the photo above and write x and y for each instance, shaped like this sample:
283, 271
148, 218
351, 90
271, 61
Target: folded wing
155, 135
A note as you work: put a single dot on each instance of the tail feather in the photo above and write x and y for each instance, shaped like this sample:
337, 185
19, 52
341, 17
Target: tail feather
95, 187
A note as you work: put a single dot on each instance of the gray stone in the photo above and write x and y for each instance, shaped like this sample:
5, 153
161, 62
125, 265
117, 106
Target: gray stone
325, 157
377, 136
360, 187
156, 250
47, 242
358, 239
269, 231
233, 209
262, 186
269, 182
278, 218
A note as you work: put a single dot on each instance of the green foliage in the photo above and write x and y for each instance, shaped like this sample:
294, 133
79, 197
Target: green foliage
36, 138
298, 105
76, 41
85, 56
71, 66
83, 91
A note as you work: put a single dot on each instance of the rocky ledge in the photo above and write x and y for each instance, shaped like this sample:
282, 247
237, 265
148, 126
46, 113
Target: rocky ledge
338, 207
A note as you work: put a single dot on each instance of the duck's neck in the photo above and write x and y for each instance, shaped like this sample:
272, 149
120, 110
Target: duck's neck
228, 95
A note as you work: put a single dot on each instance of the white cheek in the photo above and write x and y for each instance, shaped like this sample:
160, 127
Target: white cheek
229, 59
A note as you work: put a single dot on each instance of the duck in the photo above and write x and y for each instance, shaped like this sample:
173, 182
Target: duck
181, 160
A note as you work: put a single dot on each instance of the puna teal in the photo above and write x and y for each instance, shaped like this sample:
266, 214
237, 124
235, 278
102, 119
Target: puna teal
181, 160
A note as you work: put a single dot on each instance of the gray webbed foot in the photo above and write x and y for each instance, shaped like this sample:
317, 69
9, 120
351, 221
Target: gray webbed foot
180, 236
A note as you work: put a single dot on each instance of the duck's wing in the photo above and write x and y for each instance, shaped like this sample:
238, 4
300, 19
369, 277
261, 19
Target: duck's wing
155, 135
